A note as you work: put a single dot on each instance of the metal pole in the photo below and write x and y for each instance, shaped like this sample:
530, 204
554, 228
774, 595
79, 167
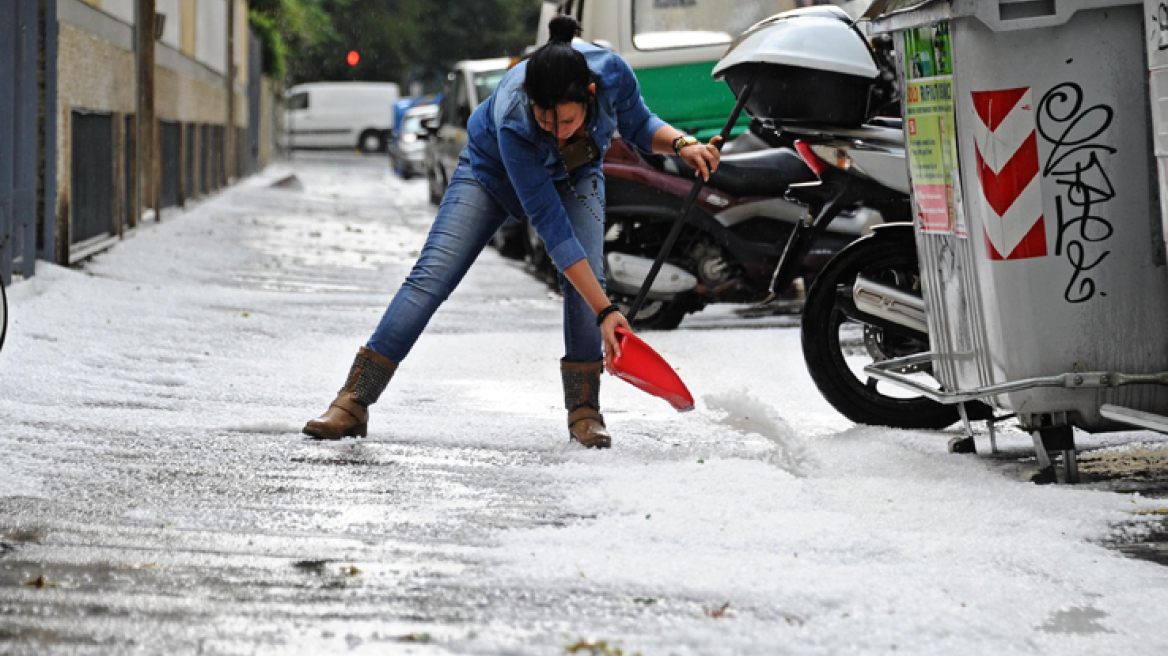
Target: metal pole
675, 231
229, 158
147, 178
48, 148
9, 92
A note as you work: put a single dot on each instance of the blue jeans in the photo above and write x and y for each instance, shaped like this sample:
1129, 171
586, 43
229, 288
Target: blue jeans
466, 221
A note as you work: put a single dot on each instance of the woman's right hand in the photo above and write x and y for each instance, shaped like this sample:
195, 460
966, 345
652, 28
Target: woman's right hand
703, 157
608, 334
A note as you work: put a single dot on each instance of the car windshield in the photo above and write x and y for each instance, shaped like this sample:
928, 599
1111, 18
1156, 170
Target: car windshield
662, 24
412, 124
486, 82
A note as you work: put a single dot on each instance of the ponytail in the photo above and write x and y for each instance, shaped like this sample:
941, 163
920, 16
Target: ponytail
556, 72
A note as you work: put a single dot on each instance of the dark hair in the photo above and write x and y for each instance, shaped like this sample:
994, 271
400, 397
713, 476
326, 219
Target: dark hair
557, 72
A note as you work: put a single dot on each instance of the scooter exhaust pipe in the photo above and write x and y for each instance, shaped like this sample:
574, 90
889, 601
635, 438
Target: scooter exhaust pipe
890, 304
626, 274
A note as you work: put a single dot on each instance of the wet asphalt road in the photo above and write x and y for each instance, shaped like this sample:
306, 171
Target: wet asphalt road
154, 534
175, 509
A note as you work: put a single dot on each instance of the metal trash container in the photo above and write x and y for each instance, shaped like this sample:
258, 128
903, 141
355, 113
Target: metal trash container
1038, 219
1156, 15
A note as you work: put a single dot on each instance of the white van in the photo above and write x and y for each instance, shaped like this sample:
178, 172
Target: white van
340, 115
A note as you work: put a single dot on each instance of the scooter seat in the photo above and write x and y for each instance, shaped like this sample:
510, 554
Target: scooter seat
760, 173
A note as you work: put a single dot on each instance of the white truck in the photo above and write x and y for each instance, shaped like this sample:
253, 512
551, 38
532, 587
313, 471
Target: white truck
672, 46
340, 115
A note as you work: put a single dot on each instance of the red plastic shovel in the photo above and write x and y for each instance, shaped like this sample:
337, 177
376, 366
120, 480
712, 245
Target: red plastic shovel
642, 367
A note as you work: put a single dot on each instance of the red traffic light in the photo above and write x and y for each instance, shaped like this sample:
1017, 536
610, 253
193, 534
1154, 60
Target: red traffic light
353, 58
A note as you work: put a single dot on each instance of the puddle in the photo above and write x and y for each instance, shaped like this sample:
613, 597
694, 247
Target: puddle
1149, 544
311, 566
1141, 468
345, 462
1076, 621
1134, 465
12, 536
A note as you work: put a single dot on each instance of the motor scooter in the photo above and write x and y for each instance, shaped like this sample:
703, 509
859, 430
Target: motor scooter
864, 306
922, 324
807, 67
733, 237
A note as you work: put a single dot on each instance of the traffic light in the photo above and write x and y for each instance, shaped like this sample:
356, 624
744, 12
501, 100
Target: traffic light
353, 58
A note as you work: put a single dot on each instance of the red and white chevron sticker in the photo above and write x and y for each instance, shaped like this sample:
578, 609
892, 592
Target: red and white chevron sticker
1007, 167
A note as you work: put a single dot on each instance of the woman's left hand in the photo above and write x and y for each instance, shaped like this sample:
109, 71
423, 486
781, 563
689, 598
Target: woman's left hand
703, 157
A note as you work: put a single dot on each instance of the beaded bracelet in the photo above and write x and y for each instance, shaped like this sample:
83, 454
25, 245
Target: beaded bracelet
603, 314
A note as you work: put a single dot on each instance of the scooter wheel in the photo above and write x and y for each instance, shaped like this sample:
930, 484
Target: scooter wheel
436, 184
653, 315
3, 314
536, 258
836, 349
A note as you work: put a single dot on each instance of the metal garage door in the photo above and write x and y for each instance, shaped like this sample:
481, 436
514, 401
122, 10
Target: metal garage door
92, 181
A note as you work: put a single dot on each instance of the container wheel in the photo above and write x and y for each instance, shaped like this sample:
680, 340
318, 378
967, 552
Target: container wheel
836, 348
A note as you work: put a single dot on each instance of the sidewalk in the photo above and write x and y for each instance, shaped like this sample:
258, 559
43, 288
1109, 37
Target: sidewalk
153, 478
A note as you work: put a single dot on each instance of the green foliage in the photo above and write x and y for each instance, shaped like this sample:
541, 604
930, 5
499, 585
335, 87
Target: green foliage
397, 37
299, 21
271, 43
284, 26
379, 30
456, 29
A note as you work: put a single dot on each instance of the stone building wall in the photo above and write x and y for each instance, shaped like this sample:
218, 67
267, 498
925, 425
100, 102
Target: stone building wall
92, 75
96, 73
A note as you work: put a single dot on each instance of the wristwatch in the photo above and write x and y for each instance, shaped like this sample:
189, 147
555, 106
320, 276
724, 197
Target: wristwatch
683, 141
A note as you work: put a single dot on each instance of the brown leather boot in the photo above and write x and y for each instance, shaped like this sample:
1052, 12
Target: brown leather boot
348, 416
582, 399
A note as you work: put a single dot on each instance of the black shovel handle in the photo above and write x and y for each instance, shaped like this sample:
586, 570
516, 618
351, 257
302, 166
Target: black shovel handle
675, 231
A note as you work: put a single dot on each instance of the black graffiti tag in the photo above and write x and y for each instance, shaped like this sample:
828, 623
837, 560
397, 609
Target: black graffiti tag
1160, 22
1074, 164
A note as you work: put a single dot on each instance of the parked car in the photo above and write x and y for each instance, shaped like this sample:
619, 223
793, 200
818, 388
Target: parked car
470, 83
340, 115
400, 108
408, 146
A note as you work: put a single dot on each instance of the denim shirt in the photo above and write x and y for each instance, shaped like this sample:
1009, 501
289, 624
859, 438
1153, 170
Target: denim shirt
519, 163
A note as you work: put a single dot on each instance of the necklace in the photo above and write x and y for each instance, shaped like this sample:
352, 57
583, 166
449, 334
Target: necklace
582, 151
582, 199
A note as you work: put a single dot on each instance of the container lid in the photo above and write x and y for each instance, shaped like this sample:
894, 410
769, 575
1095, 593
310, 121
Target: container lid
882, 8
998, 15
820, 38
